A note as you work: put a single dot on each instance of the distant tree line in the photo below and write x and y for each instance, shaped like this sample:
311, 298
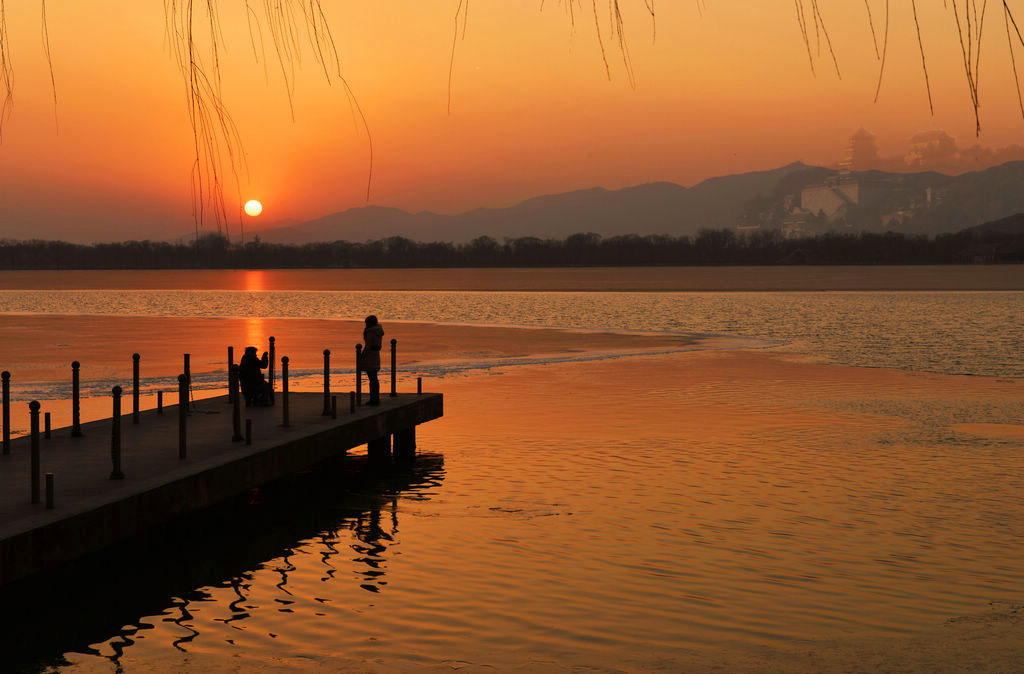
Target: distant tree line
709, 247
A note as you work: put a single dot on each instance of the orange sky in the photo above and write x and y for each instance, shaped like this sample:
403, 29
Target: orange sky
719, 91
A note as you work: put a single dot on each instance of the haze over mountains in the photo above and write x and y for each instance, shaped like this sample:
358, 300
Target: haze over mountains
661, 207
927, 203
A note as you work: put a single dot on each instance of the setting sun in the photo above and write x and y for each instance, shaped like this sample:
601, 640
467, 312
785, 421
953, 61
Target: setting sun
253, 207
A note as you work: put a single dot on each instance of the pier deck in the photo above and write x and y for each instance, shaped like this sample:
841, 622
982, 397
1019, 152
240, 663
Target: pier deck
92, 511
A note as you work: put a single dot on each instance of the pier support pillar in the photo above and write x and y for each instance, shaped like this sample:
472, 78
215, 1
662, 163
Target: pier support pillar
405, 443
379, 449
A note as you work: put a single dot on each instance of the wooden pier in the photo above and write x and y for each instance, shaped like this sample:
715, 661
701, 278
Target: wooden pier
96, 496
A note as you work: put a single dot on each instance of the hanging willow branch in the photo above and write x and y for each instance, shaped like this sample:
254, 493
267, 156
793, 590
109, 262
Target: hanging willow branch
6, 71
217, 145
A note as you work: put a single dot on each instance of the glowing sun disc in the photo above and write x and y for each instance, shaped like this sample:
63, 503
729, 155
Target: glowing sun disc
253, 207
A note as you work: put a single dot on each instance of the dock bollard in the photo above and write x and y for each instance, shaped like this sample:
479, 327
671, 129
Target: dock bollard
359, 375
33, 411
394, 380
46, 425
284, 390
248, 431
135, 388
334, 407
327, 382
182, 415
419, 386
187, 369
115, 437
6, 377
352, 402
270, 370
76, 409
160, 403
49, 491
236, 403
231, 362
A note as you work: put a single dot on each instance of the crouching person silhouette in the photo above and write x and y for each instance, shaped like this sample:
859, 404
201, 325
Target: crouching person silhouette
255, 389
373, 338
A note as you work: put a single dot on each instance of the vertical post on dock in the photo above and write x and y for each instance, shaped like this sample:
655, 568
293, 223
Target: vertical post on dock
46, 425
115, 437
6, 377
187, 369
49, 491
248, 431
135, 388
359, 375
76, 409
352, 402
419, 386
231, 362
284, 390
236, 402
33, 411
334, 407
160, 403
327, 382
182, 415
394, 375
270, 370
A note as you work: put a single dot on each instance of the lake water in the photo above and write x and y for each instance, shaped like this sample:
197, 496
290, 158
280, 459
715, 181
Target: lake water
582, 511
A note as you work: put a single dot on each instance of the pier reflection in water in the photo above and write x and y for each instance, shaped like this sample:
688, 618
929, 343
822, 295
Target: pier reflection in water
252, 556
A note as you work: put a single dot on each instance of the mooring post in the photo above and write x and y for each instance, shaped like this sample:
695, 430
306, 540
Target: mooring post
46, 425
334, 407
33, 412
6, 377
236, 401
419, 386
49, 491
352, 402
270, 370
327, 382
394, 375
359, 375
284, 390
76, 410
135, 388
231, 362
248, 431
187, 369
182, 415
115, 437
160, 403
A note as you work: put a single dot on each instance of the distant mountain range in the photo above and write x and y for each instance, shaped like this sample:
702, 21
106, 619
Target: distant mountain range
909, 202
661, 207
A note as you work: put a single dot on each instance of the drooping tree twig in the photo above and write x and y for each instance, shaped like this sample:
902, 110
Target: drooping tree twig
885, 51
1009, 20
6, 71
924, 61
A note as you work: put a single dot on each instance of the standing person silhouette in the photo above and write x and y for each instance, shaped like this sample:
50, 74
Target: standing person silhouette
373, 338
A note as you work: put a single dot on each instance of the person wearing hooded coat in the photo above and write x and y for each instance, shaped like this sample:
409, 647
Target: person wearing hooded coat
373, 339
255, 389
